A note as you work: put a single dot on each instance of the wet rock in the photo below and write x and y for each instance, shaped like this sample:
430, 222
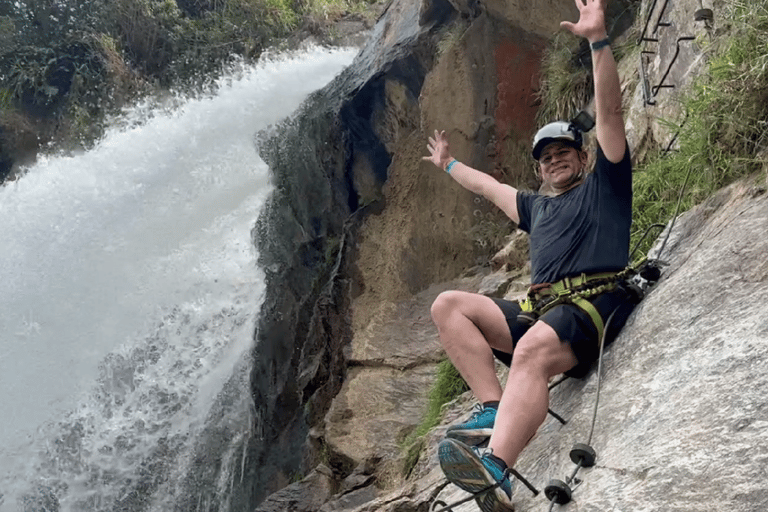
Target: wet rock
308, 495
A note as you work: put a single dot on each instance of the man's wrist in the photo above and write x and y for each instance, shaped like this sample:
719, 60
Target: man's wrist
600, 44
599, 39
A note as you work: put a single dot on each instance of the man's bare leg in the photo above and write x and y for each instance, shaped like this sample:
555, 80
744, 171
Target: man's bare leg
470, 325
538, 356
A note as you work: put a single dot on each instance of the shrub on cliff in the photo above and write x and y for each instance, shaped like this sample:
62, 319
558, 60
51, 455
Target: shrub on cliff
65, 63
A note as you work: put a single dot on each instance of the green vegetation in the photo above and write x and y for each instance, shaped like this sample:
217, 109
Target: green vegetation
69, 64
724, 129
566, 80
330, 10
448, 385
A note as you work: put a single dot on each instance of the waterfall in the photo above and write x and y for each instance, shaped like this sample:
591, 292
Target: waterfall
129, 295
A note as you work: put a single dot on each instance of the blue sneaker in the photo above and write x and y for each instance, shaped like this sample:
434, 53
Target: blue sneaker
477, 429
473, 472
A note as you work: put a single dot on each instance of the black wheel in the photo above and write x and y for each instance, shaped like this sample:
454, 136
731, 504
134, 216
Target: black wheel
583, 453
558, 491
703, 15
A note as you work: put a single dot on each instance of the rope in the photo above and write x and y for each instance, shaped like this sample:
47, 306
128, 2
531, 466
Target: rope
637, 244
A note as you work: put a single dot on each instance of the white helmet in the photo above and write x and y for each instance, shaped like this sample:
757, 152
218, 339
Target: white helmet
556, 131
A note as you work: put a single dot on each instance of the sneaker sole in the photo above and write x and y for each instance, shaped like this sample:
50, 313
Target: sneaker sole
465, 470
470, 437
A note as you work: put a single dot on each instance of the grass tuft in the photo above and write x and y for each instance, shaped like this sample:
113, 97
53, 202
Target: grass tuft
448, 385
566, 84
332, 10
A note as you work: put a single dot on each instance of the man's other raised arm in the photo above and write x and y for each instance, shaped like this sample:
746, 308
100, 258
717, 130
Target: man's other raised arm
609, 117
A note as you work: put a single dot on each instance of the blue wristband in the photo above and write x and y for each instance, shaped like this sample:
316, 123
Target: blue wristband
448, 167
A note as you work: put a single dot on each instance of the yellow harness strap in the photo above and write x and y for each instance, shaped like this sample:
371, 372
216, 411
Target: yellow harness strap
565, 291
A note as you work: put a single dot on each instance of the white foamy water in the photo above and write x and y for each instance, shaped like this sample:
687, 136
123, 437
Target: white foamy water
129, 290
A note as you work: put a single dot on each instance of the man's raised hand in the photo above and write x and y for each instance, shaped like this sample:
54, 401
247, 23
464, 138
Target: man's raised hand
439, 153
591, 24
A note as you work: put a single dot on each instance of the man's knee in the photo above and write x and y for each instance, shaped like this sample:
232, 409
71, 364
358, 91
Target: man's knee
444, 305
541, 349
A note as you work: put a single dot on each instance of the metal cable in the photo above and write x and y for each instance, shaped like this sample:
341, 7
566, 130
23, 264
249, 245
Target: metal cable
599, 376
637, 244
677, 210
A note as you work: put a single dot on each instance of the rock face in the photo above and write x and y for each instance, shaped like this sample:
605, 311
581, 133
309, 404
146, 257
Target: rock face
347, 223
330, 163
346, 351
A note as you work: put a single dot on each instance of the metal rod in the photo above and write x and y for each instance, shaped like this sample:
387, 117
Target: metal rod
655, 89
660, 23
644, 79
647, 22
556, 416
526, 483
463, 500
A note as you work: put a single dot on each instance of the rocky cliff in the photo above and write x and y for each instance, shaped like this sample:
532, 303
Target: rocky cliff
680, 414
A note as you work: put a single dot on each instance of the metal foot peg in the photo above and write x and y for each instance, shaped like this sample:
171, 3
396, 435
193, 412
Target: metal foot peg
558, 491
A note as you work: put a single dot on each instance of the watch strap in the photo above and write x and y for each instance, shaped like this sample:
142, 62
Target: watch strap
599, 44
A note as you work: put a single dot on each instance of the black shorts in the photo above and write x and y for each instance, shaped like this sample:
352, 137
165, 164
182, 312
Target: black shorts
574, 326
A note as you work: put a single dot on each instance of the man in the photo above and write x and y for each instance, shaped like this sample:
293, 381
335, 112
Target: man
582, 229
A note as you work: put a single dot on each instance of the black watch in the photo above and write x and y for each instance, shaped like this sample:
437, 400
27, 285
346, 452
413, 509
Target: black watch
600, 44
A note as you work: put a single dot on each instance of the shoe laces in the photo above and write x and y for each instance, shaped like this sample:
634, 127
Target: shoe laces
483, 452
477, 410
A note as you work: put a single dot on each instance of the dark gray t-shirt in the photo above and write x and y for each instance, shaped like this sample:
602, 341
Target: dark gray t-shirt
583, 230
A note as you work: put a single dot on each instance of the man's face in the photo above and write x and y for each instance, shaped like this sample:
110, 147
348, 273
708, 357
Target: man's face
561, 165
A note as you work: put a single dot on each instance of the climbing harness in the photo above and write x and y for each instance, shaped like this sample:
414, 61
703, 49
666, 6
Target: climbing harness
579, 289
571, 290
